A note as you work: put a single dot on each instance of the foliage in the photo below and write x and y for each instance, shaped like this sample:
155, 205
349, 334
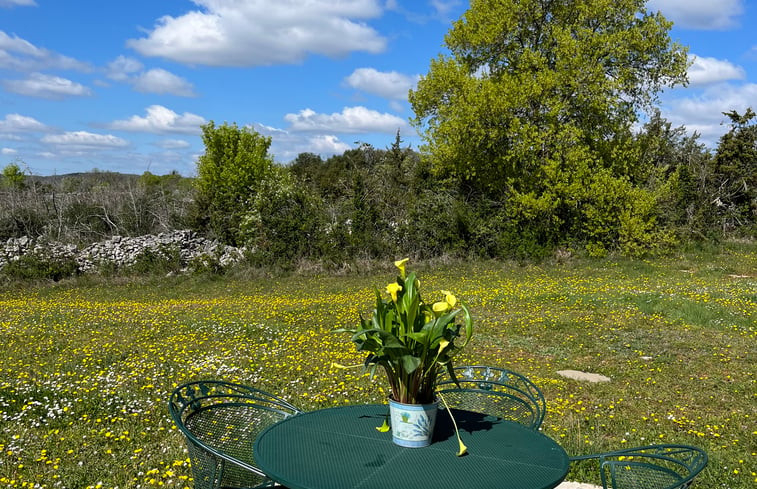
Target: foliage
734, 173
676, 168
410, 339
284, 221
38, 266
161, 260
22, 221
235, 161
88, 207
13, 176
536, 98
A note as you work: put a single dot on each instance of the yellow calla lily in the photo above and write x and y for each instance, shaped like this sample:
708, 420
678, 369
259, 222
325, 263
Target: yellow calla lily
383, 428
401, 265
463, 449
393, 288
440, 307
450, 298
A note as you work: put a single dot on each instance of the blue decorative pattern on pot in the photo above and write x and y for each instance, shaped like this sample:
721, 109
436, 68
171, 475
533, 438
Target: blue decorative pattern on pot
412, 424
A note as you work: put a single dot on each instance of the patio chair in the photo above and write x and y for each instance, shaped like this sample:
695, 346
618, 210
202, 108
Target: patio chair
494, 391
220, 421
649, 467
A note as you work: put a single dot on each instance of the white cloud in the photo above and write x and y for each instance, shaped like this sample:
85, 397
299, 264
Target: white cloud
161, 81
47, 86
21, 123
286, 145
84, 140
122, 68
444, 7
21, 55
704, 112
706, 71
327, 144
156, 80
351, 120
160, 120
700, 14
173, 144
263, 32
391, 85
8, 151
14, 3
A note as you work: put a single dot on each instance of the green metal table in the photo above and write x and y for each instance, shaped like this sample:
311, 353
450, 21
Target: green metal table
340, 448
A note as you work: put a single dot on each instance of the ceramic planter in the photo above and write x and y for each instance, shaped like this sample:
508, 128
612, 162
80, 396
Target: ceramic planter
412, 424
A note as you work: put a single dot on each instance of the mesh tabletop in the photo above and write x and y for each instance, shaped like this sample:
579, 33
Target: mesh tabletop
340, 448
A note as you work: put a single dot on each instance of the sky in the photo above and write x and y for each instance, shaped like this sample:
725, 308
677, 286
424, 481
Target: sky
125, 86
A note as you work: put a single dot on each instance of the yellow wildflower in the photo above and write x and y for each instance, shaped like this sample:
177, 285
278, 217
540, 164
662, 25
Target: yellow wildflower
393, 288
401, 265
440, 307
450, 298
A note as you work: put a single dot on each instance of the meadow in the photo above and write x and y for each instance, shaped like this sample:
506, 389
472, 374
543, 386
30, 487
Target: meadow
87, 365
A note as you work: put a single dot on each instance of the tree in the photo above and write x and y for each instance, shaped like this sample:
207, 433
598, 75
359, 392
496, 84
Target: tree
676, 167
735, 172
535, 102
235, 161
13, 176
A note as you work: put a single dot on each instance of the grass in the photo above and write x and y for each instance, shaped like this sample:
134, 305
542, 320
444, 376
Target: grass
88, 365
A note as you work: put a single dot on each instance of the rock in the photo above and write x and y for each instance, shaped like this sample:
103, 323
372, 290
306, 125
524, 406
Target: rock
123, 250
585, 376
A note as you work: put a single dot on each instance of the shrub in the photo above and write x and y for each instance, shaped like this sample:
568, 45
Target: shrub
161, 260
285, 222
33, 266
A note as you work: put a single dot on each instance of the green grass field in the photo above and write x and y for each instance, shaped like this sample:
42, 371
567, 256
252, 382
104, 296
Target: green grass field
87, 366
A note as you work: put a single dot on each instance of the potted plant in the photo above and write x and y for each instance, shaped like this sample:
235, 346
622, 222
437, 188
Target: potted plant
412, 341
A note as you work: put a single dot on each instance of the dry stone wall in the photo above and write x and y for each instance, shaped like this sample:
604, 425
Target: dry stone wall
122, 251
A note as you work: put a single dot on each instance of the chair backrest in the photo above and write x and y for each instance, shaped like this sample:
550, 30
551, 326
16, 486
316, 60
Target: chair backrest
220, 421
652, 467
495, 391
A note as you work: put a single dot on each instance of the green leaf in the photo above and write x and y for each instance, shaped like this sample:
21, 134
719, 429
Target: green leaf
410, 363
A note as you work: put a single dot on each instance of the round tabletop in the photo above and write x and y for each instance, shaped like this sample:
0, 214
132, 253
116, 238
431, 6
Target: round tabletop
340, 448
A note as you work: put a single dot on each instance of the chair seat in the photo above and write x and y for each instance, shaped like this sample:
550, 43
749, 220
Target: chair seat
664, 466
495, 391
220, 421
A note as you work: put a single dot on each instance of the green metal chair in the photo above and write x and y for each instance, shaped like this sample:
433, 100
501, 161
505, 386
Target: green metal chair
494, 391
220, 421
649, 467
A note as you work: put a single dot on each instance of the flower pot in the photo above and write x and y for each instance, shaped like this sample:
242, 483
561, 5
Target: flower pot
412, 424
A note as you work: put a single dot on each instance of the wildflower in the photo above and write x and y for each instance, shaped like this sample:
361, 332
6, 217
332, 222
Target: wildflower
450, 298
401, 265
393, 288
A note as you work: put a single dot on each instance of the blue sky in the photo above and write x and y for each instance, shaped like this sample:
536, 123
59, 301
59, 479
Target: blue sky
125, 85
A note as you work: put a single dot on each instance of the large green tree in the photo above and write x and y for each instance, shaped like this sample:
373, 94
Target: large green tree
527, 81
534, 104
235, 161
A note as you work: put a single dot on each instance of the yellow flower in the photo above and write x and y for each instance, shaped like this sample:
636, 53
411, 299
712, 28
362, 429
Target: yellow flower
401, 265
450, 298
463, 449
440, 307
393, 288
384, 427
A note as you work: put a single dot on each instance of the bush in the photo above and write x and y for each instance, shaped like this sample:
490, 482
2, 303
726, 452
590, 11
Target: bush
161, 260
22, 222
285, 222
38, 267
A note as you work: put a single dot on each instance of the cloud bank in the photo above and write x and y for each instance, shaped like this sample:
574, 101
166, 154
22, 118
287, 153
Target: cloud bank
260, 32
